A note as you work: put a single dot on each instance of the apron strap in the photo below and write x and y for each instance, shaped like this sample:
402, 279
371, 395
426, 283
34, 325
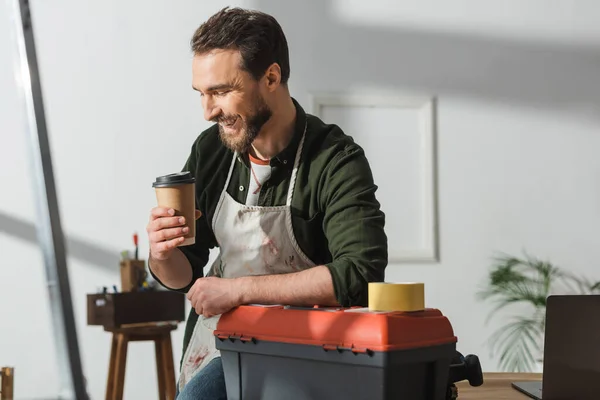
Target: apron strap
295, 170
221, 198
235, 157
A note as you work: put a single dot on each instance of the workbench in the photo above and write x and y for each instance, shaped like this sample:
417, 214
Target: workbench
496, 386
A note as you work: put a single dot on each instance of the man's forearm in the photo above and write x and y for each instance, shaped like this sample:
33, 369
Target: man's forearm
306, 288
175, 273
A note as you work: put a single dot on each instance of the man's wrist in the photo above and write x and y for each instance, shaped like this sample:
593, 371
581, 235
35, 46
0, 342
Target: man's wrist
153, 263
244, 289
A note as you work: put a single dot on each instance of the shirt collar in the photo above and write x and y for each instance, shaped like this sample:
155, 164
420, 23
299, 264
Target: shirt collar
288, 155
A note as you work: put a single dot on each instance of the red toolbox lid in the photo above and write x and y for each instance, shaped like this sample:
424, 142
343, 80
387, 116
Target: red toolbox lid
353, 328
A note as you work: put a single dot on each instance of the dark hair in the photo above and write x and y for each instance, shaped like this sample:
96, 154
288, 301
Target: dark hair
258, 37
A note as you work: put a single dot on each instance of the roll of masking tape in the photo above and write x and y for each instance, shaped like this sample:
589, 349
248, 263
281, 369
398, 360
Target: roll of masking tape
385, 296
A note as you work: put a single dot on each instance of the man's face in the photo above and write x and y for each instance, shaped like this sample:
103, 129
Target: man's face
230, 97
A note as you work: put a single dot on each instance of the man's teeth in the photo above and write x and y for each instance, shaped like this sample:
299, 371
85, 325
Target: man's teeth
228, 124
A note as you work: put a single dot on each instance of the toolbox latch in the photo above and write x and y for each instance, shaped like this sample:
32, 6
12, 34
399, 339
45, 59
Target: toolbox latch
361, 350
353, 349
233, 338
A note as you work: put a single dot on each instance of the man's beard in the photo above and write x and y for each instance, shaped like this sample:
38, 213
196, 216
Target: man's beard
241, 140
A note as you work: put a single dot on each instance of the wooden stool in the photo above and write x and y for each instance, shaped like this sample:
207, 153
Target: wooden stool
161, 335
7, 375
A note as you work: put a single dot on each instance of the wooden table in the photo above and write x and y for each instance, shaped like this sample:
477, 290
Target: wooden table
496, 386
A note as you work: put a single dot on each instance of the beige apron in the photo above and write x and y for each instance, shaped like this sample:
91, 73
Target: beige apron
253, 240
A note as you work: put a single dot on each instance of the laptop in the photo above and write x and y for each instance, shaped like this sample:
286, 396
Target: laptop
571, 367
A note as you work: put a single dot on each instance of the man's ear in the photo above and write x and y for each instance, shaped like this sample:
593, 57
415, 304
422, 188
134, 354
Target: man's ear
273, 76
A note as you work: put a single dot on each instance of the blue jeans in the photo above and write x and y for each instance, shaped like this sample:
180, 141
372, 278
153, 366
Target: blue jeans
208, 383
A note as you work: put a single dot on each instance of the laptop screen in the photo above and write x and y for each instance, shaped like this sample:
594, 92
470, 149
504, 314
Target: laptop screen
572, 348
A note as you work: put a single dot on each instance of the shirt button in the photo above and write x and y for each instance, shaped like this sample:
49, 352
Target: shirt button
241, 188
285, 161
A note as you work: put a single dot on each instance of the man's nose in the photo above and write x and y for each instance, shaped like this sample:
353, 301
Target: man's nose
211, 110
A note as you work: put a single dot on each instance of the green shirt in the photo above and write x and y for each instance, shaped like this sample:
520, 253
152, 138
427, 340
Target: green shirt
336, 217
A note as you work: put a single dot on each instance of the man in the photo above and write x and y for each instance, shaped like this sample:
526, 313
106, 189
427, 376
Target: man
289, 200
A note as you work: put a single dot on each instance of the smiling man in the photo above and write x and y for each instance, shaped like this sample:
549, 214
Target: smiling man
287, 199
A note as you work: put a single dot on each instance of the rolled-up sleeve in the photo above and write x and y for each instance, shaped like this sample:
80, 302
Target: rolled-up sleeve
354, 225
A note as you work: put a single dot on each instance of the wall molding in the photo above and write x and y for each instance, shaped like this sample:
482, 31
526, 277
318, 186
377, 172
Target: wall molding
426, 108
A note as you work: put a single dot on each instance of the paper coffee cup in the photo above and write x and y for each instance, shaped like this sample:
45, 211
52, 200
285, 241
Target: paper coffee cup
178, 191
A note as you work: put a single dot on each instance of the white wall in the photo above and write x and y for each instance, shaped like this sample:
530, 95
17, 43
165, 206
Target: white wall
518, 129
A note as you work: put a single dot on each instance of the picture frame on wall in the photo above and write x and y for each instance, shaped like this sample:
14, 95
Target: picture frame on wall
399, 136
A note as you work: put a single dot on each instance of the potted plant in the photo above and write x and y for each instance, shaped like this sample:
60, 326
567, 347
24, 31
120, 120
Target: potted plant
524, 284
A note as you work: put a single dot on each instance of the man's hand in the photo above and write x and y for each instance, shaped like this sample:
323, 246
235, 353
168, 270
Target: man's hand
165, 232
213, 296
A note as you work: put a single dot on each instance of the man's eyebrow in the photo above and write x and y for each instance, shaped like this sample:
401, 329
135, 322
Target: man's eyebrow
221, 86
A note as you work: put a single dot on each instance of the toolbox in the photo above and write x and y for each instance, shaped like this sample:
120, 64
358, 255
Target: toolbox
113, 310
294, 353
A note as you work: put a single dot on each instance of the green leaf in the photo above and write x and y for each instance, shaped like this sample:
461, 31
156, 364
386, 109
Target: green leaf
517, 342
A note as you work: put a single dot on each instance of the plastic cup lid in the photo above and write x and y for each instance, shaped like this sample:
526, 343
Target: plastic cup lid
179, 178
